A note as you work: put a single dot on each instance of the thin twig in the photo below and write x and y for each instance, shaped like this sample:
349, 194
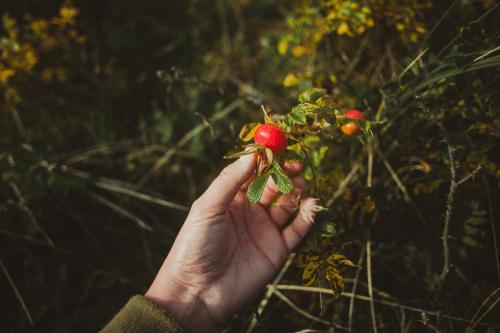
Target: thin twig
127, 189
451, 196
343, 184
487, 53
306, 314
449, 208
122, 211
369, 151
469, 176
394, 175
426, 322
369, 278
403, 317
23, 204
436, 25
16, 291
380, 301
476, 318
354, 287
357, 57
400, 184
493, 229
163, 160
18, 122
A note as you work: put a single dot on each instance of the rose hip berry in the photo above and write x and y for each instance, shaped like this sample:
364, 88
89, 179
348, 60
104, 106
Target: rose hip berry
353, 114
351, 127
272, 137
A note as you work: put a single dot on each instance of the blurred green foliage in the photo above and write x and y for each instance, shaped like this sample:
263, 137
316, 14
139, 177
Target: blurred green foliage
115, 116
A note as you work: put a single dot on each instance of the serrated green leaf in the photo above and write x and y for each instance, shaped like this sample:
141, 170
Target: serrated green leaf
311, 108
282, 181
297, 116
311, 94
326, 102
256, 188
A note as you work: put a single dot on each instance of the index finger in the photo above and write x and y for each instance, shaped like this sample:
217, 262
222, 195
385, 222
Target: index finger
223, 189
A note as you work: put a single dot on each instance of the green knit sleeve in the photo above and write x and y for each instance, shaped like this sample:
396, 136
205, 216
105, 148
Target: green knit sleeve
140, 316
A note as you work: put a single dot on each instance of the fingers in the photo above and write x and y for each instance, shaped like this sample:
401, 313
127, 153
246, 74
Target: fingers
293, 168
230, 180
298, 229
286, 204
271, 192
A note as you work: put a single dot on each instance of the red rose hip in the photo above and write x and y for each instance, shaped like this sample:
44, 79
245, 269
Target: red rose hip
272, 137
351, 127
353, 114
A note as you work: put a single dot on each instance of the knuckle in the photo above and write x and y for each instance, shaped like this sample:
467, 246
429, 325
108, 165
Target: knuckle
197, 204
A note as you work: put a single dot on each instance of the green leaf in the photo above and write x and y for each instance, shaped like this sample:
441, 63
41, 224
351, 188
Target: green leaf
327, 229
257, 187
237, 154
326, 102
311, 108
296, 116
311, 95
282, 181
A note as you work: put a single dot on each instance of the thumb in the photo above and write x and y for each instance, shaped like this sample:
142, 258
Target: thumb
224, 188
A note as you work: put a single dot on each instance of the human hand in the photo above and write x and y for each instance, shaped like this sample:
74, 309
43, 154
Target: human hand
228, 248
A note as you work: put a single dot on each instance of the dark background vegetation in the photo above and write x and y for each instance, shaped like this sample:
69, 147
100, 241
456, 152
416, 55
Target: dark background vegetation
98, 167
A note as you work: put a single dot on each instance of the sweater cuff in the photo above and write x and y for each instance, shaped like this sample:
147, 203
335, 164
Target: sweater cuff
140, 315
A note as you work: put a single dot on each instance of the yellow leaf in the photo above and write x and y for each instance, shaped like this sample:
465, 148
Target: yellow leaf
299, 51
248, 131
290, 80
331, 15
310, 272
337, 259
335, 280
420, 29
400, 26
283, 44
360, 29
343, 29
68, 13
6, 74
39, 27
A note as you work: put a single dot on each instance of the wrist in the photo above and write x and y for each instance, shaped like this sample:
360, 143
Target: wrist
182, 303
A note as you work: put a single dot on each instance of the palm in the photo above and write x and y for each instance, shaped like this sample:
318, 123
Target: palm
229, 249
252, 249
